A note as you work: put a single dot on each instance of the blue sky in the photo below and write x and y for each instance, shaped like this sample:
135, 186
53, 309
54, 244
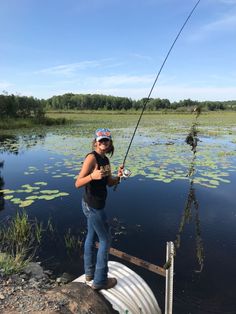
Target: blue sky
116, 47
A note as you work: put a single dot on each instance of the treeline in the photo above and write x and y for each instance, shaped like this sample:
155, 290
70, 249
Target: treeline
29, 107
102, 102
24, 112
21, 107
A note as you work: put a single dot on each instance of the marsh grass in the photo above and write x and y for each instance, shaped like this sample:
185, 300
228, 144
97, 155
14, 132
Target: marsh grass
168, 123
73, 243
12, 264
20, 239
20, 123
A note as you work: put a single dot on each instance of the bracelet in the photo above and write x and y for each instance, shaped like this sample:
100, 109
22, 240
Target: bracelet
91, 177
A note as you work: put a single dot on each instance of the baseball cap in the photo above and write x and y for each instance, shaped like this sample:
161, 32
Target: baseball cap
102, 133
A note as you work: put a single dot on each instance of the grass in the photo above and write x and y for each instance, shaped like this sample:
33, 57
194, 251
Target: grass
156, 121
119, 119
11, 123
12, 264
20, 238
72, 242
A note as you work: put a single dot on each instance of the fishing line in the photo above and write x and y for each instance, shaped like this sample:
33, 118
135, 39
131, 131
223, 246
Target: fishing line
155, 81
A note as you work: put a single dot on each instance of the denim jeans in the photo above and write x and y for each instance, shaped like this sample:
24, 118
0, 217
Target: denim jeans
97, 227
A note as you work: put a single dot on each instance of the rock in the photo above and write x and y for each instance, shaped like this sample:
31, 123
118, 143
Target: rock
79, 298
35, 293
34, 270
65, 278
2, 296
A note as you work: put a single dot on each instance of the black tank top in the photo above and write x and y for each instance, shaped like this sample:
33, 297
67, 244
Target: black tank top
96, 191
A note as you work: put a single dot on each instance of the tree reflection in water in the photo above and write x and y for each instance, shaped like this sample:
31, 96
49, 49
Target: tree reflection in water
13, 144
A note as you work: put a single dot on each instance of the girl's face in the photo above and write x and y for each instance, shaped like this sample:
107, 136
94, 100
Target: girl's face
103, 145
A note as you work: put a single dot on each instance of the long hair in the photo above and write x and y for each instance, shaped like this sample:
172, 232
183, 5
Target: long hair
110, 149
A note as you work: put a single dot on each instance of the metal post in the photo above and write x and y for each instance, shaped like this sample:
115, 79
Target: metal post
169, 278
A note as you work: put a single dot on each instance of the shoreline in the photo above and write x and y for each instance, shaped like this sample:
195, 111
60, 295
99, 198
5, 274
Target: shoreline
34, 290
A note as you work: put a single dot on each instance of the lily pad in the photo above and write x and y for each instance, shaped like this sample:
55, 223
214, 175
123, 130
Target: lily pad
25, 203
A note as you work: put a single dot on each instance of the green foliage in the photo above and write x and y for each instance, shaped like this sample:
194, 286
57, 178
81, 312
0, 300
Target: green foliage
19, 240
21, 107
72, 242
12, 264
102, 102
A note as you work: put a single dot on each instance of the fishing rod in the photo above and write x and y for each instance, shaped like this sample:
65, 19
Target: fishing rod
126, 172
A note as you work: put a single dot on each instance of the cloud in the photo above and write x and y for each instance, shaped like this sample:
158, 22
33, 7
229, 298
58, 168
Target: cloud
72, 69
118, 80
139, 56
226, 23
213, 93
5, 85
137, 87
228, 1
69, 69
171, 92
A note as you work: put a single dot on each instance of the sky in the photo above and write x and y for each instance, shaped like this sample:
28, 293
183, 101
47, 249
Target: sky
117, 47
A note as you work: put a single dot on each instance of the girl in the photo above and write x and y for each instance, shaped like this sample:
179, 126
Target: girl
95, 175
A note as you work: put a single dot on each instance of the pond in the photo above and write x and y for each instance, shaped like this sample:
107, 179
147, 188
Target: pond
160, 202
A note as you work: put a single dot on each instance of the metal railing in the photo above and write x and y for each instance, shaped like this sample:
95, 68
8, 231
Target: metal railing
167, 272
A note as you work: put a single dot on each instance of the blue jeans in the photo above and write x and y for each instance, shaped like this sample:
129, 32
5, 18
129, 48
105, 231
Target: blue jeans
97, 226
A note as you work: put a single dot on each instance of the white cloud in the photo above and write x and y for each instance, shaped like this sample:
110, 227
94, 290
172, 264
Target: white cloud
140, 56
69, 69
5, 85
195, 93
228, 1
118, 80
135, 87
226, 23
139, 87
173, 92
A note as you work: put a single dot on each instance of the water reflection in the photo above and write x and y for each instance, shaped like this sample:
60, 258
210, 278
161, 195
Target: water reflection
191, 209
15, 144
2, 201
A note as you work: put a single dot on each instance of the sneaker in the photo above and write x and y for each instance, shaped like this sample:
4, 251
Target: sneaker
88, 277
111, 282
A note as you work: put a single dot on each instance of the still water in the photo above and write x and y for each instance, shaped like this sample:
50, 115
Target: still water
38, 173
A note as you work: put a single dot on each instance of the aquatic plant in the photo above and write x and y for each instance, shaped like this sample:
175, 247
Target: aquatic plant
20, 238
12, 264
191, 202
73, 242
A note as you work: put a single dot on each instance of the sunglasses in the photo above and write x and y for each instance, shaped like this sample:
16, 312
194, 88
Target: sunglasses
104, 140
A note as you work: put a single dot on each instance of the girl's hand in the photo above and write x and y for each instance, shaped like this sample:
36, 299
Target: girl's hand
120, 171
97, 174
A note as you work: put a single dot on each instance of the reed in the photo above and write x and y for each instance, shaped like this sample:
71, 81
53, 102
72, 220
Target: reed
73, 242
20, 239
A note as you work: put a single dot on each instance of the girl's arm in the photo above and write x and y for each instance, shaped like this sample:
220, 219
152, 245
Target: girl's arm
85, 175
88, 172
115, 180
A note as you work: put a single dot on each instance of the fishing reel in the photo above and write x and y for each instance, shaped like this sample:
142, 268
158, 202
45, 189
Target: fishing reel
126, 174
